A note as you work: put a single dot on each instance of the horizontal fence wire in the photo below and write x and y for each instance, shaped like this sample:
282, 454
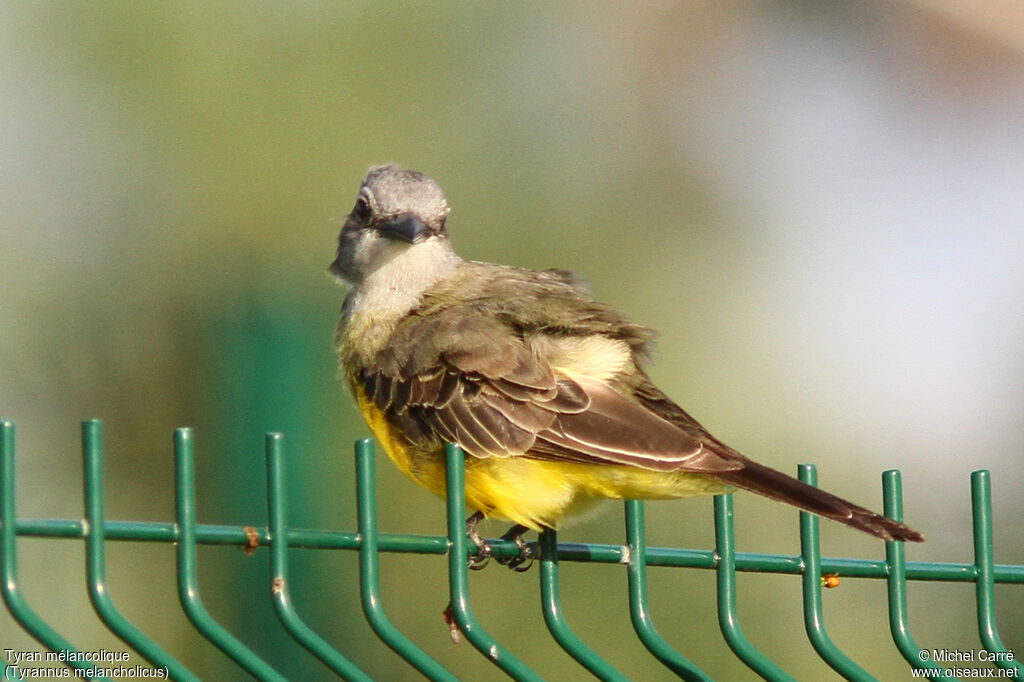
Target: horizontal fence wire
187, 534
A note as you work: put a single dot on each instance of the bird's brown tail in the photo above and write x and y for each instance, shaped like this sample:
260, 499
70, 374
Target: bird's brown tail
778, 486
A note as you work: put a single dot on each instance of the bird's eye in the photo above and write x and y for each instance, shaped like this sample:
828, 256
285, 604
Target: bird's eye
362, 210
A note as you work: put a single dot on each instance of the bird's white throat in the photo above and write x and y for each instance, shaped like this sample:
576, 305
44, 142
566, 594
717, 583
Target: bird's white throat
395, 287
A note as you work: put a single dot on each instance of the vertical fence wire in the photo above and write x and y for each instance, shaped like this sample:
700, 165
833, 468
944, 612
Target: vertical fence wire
96, 571
458, 577
369, 571
814, 619
188, 574
899, 625
728, 615
639, 612
981, 507
554, 617
13, 597
280, 586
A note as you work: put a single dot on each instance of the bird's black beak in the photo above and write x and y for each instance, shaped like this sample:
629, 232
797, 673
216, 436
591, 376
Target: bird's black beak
405, 227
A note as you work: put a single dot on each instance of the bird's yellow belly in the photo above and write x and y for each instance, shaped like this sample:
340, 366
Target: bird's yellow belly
531, 492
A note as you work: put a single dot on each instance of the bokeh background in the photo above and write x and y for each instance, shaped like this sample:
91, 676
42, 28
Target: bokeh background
819, 205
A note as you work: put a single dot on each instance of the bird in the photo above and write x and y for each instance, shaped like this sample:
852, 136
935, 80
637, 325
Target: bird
543, 387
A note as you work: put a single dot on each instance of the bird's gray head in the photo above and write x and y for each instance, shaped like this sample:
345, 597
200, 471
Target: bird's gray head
396, 210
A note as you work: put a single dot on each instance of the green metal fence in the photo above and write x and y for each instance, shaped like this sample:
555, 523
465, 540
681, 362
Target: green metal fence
186, 534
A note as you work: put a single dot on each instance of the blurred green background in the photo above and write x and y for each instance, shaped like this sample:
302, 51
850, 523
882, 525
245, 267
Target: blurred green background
819, 205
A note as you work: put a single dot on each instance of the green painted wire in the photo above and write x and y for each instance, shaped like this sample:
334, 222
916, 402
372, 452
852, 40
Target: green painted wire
15, 600
640, 615
554, 616
99, 592
458, 574
728, 616
814, 619
280, 588
746, 562
894, 568
896, 583
188, 578
981, 512
369, 570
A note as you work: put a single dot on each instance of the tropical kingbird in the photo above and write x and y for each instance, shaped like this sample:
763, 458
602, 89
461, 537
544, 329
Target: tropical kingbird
543, 387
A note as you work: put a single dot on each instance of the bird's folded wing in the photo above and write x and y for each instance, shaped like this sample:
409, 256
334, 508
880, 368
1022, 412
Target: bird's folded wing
509, 403
615, 429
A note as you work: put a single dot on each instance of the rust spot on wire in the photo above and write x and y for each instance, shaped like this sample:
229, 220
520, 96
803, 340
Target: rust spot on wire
252, 540
830, 580
453, 627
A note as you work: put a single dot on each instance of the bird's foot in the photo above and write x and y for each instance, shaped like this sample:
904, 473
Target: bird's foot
482, 556
522, 561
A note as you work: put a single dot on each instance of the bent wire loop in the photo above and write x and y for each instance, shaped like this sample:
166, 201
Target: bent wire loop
280, 587
188, 574
555, 619
369, 570
728, 616
99, 594
814, 619
899, 626
981, 505
95, 531
458, 574
13, 597
639, 612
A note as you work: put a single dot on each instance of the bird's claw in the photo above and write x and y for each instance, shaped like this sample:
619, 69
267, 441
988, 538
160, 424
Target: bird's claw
479, 559
522, 561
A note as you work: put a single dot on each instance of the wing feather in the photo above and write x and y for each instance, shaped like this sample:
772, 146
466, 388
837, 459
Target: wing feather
479, 441
427, 388
382, 391
523, 413
570, 398
524, 393
446, 427
618, 430
450, 385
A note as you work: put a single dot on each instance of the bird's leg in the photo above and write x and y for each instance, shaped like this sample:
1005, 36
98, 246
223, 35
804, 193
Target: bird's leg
524, 559
477, 561
483, 550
